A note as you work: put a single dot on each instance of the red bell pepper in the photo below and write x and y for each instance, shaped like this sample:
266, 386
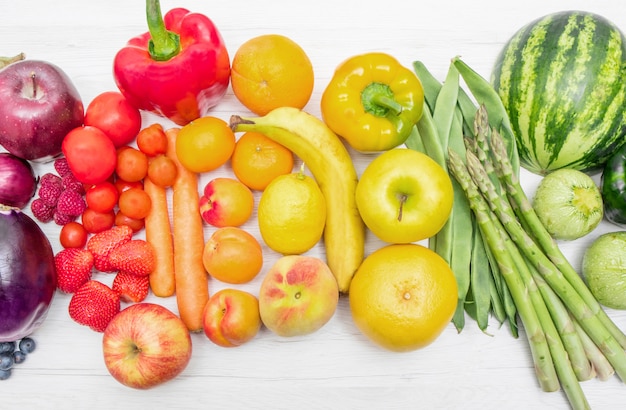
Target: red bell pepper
179, 69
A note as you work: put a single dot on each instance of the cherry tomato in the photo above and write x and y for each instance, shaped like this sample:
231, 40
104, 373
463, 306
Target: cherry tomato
132, 164
73, 235
134, 223
152, 140
122, 185
102, 197
115, 116
95, 221
135, 203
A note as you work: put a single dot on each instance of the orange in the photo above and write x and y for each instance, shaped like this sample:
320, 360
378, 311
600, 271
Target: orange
232, 255
205, 144
403, 296
271, 71
257, 160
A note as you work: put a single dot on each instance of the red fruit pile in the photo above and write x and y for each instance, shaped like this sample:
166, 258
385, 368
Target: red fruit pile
60, 196
114, 250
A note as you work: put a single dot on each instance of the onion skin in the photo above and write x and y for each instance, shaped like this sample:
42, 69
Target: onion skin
28, 276
17, 181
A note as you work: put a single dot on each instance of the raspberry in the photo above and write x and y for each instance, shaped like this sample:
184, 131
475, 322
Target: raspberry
62, 219
49, 191
50, 178
41, 210
70, 182
70, 203
62, 167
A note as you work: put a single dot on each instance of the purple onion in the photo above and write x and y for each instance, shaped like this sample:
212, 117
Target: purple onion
17, 181
28, 275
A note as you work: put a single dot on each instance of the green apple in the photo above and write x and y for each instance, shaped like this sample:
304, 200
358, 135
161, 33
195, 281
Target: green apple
404, 196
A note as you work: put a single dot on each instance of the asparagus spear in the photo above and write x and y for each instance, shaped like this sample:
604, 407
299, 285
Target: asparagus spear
589, 321
544, 367
547, 243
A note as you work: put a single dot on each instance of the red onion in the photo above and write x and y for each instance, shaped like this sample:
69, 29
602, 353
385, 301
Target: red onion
17, 181
28, 277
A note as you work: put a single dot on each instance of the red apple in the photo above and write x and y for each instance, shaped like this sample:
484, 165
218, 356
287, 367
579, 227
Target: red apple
298, 295
231, 317
40, 105
146, 345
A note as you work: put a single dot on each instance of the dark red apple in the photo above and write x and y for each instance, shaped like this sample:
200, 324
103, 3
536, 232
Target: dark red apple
40, 104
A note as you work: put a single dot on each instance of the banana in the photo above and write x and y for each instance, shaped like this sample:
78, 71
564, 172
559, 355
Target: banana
331, 165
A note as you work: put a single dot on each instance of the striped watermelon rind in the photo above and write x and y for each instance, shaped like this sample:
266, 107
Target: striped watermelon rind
562, 80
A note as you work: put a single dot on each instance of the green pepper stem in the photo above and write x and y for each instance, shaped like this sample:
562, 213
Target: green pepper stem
377, 99
164, 44
389, 103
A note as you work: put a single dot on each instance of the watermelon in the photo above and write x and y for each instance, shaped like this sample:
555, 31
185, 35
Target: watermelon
562, 80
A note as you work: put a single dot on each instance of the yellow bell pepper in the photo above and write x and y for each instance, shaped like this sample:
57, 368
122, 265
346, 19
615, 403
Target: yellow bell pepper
372, 102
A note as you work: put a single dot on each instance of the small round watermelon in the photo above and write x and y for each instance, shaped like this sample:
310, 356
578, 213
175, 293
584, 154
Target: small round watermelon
562, 80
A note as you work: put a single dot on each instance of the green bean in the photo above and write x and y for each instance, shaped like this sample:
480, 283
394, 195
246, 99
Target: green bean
480, 275
468, 108
444, 111
414, 141
431, 85
484, 93
430, 138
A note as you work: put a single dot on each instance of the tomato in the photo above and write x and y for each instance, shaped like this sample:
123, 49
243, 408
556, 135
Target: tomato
95, 221
135, 203
102, 197
90, 154
122, 185
152, 140
133, 223
73, 235
115, 116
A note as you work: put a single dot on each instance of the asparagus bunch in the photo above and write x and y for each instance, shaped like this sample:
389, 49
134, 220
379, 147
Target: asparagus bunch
570, 336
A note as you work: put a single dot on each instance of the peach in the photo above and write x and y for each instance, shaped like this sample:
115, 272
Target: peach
231, 317
232, 255
298, 295
226, 202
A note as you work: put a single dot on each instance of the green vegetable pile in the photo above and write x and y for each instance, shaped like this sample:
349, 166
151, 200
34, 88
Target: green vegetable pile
513, 268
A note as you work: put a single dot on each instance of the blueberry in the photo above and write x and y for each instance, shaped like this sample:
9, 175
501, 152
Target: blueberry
7, 347
27, 345
6, 361
19, 356
5, 374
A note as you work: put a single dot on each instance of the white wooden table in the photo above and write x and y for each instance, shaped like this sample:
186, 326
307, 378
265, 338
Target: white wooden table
335, 367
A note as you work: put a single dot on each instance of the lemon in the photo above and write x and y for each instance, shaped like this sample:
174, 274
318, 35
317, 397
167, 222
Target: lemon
403, 296
292, 214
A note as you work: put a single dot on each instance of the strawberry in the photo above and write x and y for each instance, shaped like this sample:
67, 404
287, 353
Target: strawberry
131, 288
135, 256
73, 266
94, 304
102, 243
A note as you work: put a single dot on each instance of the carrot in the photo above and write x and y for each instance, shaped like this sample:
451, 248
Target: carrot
159, 235
192, 289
